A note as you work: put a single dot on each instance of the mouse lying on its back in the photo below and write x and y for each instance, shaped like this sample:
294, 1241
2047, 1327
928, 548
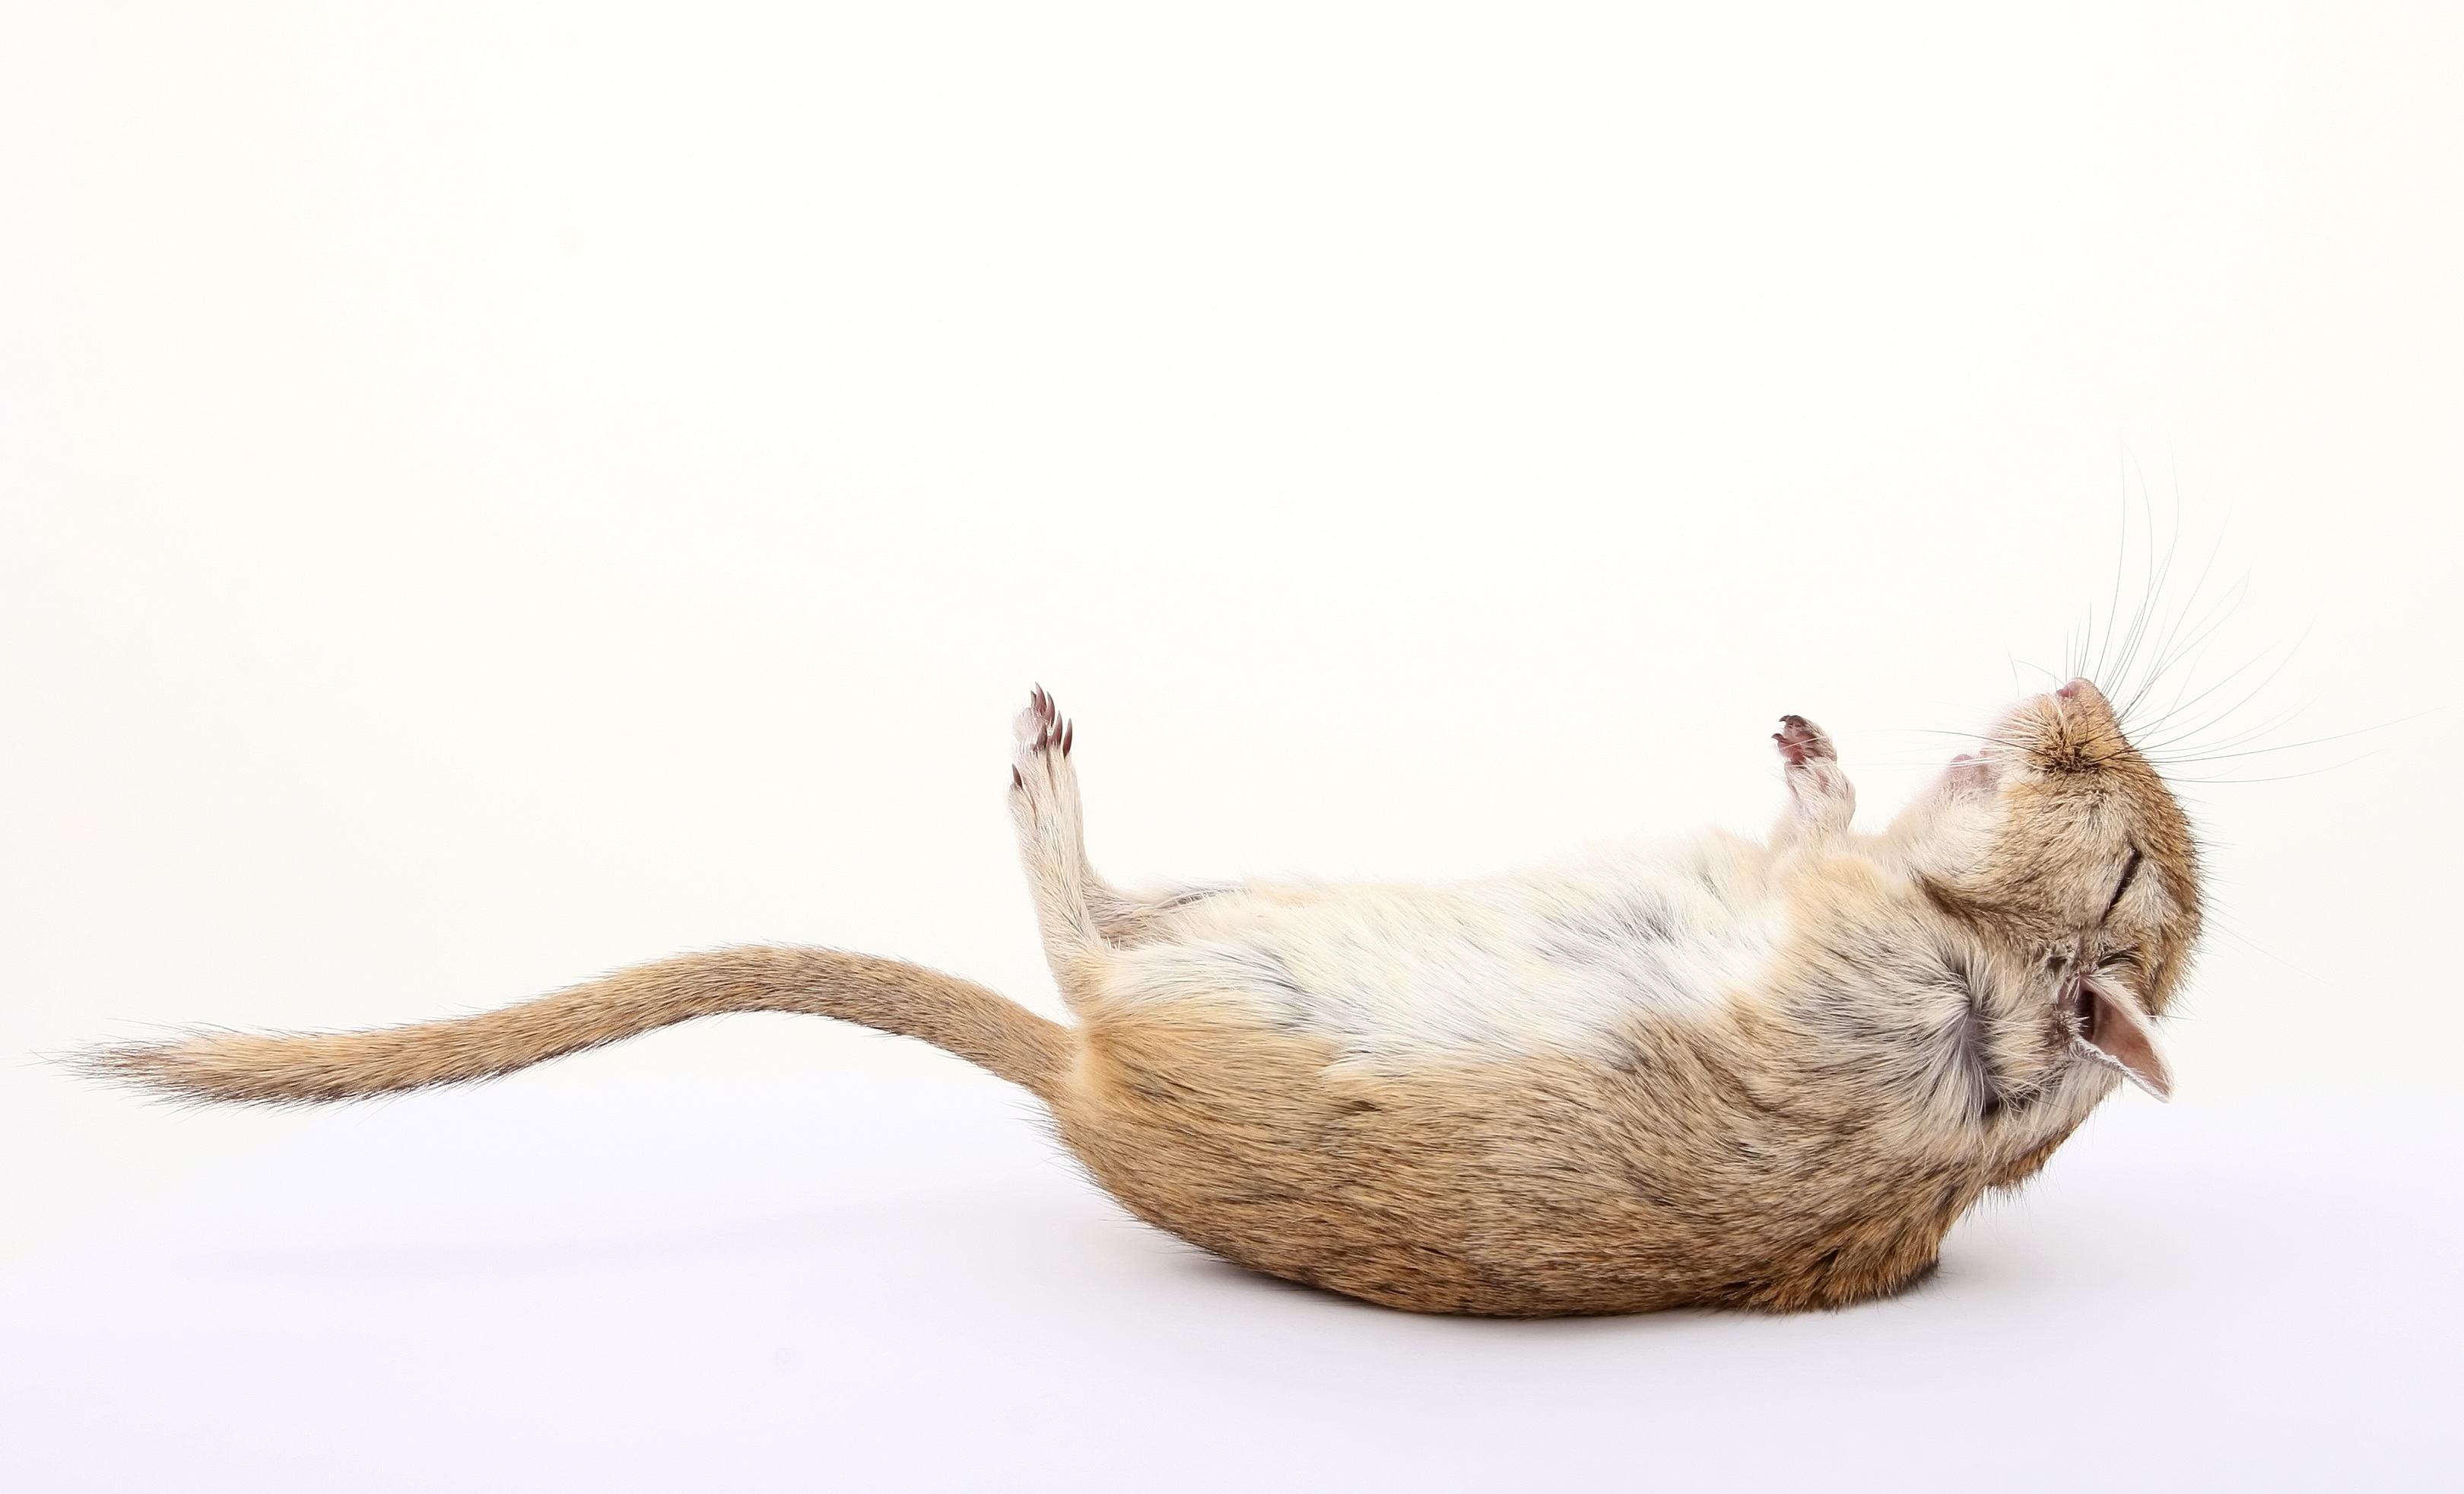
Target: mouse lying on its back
1718, 1074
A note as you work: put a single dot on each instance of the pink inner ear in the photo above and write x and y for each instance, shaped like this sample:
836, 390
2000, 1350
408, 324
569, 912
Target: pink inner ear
2118, 1033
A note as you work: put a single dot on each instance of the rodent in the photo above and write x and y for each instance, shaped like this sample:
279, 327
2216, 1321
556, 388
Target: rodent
1719, 1073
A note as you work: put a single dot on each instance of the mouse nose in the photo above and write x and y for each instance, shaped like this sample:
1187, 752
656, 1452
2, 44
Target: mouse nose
2081, 698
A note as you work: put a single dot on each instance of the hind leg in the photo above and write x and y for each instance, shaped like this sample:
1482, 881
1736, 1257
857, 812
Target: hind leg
1082, 918
1043, 799
1051, 842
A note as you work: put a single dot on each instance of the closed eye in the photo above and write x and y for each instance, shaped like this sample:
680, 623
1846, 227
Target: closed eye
2129, 870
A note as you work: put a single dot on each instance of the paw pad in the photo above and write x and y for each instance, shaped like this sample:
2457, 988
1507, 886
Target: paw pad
1801, 741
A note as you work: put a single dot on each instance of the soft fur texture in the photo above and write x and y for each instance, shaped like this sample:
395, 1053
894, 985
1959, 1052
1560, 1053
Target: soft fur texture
1725, 1073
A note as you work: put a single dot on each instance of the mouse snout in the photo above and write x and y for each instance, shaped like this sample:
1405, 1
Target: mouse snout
2083, 692
2056, 722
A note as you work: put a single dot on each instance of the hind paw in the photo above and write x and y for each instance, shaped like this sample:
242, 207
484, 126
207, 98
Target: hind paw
1041, 728
1044, 738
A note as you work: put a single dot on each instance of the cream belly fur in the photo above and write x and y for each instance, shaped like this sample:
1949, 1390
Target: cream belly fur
1548, 963
1763, 1075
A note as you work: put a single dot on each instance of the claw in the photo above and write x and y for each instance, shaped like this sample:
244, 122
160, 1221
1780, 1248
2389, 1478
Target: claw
1042, 727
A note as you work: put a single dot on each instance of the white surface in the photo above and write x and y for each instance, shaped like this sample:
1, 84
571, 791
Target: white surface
877, 1285
491, 492
494, 493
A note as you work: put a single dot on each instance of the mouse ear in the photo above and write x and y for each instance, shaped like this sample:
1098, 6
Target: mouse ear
2114, 1030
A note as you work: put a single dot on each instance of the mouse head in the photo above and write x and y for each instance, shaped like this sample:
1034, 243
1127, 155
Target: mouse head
2066, 867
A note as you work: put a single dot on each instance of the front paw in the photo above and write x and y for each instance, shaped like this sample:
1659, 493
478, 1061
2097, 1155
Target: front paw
1802, 742
1824, 798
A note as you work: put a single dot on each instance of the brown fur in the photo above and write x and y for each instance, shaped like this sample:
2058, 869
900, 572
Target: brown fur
1529, 1189
1927, 1031
297, 1068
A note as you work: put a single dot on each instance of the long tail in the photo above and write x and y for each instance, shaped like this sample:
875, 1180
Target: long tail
299, 1068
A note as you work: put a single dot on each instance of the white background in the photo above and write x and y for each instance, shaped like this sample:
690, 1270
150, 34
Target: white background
494, 493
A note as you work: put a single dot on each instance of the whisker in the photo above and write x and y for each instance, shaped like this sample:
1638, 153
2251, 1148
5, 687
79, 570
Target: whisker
2220, 717
2154, 583
2179, 705
2206, 779
2175, 651
2314, 742
2222, 926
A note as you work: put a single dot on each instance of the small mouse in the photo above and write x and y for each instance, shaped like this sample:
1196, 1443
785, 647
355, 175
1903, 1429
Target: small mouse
1718, 1073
